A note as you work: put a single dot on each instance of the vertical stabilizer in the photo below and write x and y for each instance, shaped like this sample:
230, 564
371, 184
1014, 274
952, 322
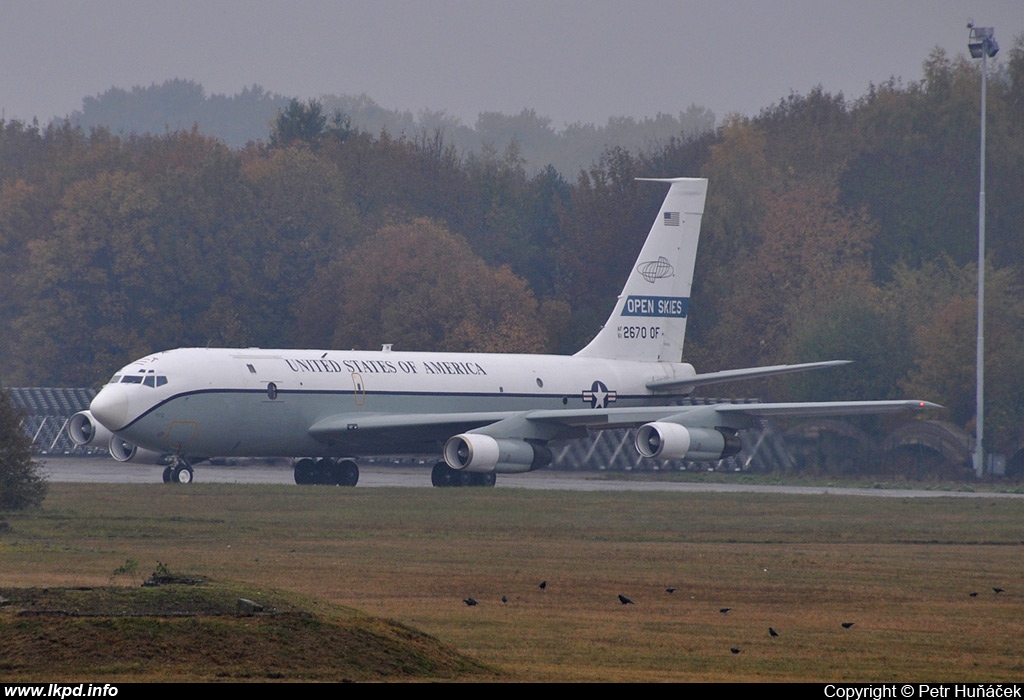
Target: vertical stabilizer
649, 320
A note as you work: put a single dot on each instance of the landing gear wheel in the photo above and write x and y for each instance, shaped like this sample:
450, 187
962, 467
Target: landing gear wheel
323, 472
305, 472
487, 480
347, 473
442, 475
182, 474
167, 474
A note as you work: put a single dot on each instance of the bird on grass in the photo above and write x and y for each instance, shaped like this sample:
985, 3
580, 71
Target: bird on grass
724, 610
735, 650
504, 599
847, 625
625, 601
670, 590
772, 632
973, 594
542, 585
470, 602
997, 590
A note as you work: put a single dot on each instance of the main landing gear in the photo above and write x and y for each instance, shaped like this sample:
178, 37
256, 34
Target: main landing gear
442, 475
326, 472
179, 473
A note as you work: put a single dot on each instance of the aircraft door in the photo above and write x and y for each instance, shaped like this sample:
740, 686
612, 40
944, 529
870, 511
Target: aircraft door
180, 435
358, 389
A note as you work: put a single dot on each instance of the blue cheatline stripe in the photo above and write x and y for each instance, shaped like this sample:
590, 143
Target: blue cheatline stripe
350, 392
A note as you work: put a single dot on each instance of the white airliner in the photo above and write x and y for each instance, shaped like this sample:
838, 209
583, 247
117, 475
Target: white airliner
484, 413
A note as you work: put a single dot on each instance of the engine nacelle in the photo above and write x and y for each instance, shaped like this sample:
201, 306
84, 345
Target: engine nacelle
673, 441
85, 430
473, 452
124, 451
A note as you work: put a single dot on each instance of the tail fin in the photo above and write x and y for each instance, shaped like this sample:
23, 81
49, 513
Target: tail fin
649, 320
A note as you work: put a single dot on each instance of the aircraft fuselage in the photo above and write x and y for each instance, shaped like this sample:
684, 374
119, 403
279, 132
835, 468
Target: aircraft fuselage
255, 402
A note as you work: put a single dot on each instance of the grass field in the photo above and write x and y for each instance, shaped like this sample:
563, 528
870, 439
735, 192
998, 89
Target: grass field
900, 569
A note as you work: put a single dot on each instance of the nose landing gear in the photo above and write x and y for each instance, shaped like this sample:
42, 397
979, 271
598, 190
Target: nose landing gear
179, 473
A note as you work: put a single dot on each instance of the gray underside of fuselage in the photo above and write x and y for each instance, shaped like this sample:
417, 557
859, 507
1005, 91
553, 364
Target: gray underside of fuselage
250, 424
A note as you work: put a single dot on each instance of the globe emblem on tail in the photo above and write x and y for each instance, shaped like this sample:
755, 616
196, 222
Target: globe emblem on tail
655, 269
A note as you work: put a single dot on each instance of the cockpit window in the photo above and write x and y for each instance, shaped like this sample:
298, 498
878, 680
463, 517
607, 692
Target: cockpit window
150, 380
115, 379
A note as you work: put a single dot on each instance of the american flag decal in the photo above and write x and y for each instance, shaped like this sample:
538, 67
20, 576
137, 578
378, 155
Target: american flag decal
671, 218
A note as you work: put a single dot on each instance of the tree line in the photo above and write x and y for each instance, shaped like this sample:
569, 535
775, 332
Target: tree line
834, 228
245, 116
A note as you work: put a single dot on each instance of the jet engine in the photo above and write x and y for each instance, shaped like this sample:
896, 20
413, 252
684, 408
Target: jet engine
473, 452
85, 430
673, 441
124, 451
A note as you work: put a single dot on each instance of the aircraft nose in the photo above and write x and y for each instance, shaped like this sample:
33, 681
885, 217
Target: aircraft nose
110, 407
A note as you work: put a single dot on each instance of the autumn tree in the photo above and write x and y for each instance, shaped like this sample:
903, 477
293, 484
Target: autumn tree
304, 123
22, 485
202, 223
94, 274
940, 308
301, 218
812, 254
604, 224
420, 287
809, 137
916, 171
739, 180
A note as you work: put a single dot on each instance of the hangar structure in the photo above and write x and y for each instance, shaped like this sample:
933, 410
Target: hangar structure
47, 411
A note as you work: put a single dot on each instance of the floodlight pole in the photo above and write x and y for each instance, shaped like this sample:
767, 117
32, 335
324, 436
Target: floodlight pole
982, 44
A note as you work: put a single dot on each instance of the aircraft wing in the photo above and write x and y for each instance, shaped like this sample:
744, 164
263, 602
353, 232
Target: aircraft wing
687, 384
515, 441
826, 408
713, 414
550, 424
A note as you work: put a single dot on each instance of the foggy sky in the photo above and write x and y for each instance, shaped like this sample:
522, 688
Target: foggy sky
570, 60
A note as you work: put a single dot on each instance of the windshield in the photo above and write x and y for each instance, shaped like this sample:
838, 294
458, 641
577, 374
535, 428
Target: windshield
144, 377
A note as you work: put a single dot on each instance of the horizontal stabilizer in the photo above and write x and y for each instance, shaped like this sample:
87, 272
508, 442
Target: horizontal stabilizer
687, 384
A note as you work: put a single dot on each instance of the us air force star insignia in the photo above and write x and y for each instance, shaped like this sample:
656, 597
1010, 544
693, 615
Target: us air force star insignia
599, 396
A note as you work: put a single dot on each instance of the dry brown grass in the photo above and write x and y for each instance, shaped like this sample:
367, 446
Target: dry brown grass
900, 569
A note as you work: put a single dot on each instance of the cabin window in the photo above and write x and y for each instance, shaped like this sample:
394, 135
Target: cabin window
252, 370
540, 382
271, 391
